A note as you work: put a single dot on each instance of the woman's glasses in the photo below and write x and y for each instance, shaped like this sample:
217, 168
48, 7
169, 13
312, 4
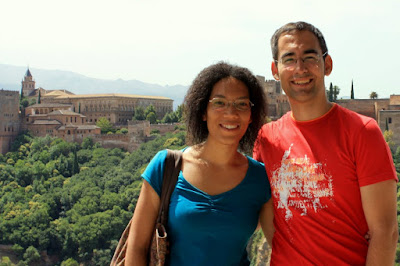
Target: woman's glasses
239, 104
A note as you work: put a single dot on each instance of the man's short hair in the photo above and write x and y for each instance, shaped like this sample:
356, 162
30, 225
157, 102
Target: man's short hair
293, 27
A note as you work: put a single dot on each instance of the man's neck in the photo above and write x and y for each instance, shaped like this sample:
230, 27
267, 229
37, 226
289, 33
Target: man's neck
309, 111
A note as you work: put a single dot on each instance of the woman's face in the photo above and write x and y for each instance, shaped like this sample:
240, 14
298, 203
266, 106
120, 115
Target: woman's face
229, 113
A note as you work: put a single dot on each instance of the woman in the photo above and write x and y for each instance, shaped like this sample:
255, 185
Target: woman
216, 203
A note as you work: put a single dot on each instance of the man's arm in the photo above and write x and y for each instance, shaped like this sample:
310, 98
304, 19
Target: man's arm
380, 208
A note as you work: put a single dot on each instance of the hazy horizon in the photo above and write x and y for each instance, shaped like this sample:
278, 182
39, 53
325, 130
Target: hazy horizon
168, 43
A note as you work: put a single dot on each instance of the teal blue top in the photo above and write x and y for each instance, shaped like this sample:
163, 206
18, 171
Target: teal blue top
211, 230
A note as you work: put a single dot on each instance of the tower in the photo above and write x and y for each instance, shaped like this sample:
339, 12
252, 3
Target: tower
9, 119
28, 84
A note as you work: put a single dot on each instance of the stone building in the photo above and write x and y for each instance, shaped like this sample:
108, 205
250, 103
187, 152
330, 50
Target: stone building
9, 118
60, 113
28, 84
389, 118
278, 103
117, 108
367, 107
57, 120
385, 111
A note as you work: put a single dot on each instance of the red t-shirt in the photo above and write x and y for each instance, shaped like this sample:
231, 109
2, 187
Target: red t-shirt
316, 169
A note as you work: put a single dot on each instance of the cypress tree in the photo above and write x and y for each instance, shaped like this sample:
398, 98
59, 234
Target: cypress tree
22, 93
38, 98
331, 92
75, 166
352, 90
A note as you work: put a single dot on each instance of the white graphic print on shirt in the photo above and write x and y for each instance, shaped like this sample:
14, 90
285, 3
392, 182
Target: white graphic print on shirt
300, 184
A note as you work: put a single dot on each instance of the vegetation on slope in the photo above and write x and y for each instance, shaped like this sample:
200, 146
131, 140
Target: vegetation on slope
72, 201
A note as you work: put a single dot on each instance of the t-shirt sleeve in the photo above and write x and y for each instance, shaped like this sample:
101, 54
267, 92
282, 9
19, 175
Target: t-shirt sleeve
374, 160
263, 186
257, 146
155, 170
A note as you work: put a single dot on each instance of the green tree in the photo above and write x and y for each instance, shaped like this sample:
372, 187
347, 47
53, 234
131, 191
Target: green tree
336, 91
151, 117
172, 117
388, 135
330, 94
87, 143
5, 261
104, 125
124, 130
69, 262
352, 91
31, 255
167, 118
75, 166
39, 97
43, 204
139, 114
24, 102
101, 257
17, 249
180, 112
24, 137
373, 95
149, 109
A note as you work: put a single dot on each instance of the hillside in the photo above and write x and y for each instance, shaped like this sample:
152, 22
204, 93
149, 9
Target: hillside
69, 202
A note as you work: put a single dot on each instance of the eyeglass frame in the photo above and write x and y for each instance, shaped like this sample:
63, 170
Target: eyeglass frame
229, 103
296, 60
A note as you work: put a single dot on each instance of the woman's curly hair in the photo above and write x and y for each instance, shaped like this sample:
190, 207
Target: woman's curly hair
197, 97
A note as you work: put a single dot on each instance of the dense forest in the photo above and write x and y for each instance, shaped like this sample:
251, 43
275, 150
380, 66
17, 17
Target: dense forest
71, 201
66, 203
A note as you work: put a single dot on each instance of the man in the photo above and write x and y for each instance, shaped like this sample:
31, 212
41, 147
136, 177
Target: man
332, 176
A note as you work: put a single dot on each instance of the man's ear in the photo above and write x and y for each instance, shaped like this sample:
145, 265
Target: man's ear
328, 65
274, 70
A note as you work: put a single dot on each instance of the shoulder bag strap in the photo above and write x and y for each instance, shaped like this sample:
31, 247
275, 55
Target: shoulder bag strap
172, 168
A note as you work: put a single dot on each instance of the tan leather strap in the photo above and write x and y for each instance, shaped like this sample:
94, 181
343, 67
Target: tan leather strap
173, 163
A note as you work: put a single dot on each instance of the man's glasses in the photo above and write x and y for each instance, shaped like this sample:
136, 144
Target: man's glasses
309, 60
239, 104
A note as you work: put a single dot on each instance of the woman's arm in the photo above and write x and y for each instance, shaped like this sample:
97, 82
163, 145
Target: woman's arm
267, 220
141, 231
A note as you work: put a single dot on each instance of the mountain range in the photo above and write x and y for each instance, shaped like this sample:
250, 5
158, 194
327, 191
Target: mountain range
11, 77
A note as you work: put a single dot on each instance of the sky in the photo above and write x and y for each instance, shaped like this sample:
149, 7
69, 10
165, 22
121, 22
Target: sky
169, 42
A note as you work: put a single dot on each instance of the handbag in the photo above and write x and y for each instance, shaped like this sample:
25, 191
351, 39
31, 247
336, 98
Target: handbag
159, 247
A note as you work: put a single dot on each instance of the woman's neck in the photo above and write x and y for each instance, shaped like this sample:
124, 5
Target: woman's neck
216, 154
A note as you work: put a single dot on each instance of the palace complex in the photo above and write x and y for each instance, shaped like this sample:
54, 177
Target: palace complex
60, 113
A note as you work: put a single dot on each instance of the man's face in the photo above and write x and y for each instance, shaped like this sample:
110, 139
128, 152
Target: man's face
301, 67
